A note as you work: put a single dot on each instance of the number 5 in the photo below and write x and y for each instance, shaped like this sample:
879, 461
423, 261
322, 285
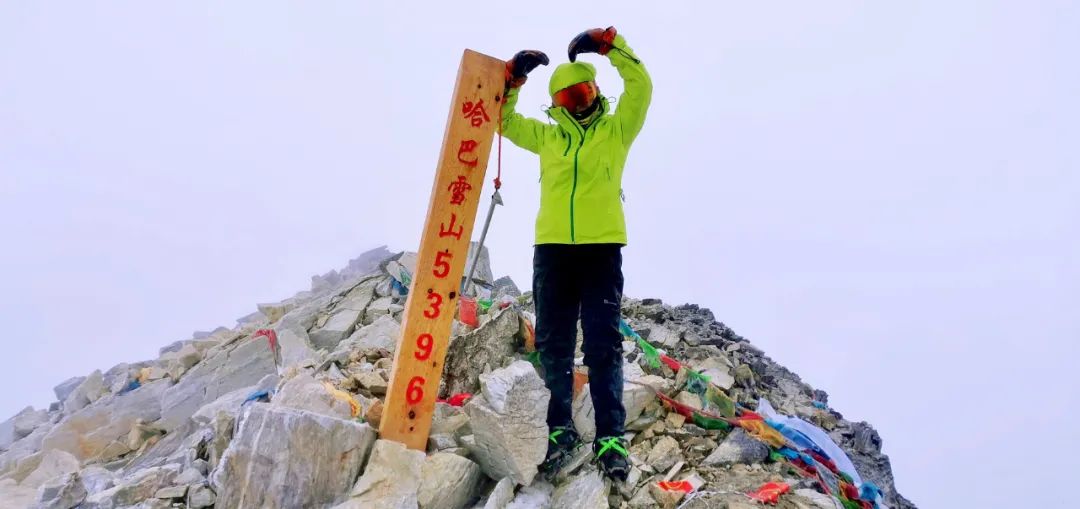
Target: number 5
442, 267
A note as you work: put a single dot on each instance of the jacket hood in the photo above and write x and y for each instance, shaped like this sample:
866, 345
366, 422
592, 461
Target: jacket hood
570, 73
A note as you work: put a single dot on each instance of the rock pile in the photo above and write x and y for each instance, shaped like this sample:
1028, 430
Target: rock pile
282, 411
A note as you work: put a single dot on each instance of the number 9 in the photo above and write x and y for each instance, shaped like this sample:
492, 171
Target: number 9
424, 343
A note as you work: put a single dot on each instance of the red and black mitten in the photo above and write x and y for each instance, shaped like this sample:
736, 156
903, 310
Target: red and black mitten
596, 40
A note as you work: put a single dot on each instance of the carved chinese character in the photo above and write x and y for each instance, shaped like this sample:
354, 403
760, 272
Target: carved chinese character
475, 112
457, 189
445, 231
467, 146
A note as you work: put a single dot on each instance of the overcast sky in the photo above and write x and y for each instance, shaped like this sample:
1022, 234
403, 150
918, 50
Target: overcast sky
882, 196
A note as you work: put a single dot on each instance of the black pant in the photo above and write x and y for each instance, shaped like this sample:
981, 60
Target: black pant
585, 280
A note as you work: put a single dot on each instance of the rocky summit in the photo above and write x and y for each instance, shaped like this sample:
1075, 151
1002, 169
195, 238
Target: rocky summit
282, 411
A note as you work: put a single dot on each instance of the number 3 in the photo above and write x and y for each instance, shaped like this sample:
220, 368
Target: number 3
436, 301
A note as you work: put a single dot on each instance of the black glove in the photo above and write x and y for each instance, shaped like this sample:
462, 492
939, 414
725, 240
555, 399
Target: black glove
519, 67
597, 40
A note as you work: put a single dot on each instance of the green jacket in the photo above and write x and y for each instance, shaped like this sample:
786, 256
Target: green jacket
581, 168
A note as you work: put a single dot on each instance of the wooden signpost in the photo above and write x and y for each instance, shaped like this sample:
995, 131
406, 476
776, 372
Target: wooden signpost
444, 244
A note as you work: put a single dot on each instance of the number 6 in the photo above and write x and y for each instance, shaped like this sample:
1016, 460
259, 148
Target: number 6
415, 392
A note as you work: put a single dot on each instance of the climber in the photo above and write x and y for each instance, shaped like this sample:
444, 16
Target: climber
580, 232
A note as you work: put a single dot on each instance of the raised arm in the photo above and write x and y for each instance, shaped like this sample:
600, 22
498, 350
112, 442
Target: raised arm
527, 133
637, 85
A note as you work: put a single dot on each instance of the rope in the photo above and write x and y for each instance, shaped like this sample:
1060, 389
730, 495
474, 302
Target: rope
498, 158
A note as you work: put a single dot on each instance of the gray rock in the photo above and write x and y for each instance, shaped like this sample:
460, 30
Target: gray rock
506, 286
22, 449
738, 447
305, 315
345, 317
491, 346
626, 488
367, 262
233, 367
20, 425
283, 458
819, 500
449, 420
13, 496
201, 496
230, 402
447, 481
643, 499
190, 476
382, 334
637, 394
586, 490
201, 466
136, 488
508, 421
303, 392
96, 478
62, 492
325, 282
90, 390
185, 357
51, 464
501, 495
68, 386
482, 273
534, 496
662, 337
117, 378
172, 492
100, 431
143, 434
866, 439
441, 442
153, 503
275, 311
390, 481
379, 307
341, 323
224, 426
175, 346
295, 346
664, 454
719, 371
584, 414
371, 381
255, 319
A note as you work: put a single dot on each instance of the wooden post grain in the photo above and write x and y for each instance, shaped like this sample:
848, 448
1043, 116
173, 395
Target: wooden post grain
444, 243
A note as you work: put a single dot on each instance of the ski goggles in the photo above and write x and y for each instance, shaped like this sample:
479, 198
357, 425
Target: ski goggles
577, 97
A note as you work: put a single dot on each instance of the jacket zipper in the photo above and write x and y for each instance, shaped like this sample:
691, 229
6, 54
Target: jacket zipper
573, 190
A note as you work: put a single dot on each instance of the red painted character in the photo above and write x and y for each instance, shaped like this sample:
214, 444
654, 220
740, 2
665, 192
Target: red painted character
445, 231
475, 113
467, 147
458, 188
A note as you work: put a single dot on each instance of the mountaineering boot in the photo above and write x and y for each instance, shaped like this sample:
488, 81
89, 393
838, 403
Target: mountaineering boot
612, 454
562, 443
